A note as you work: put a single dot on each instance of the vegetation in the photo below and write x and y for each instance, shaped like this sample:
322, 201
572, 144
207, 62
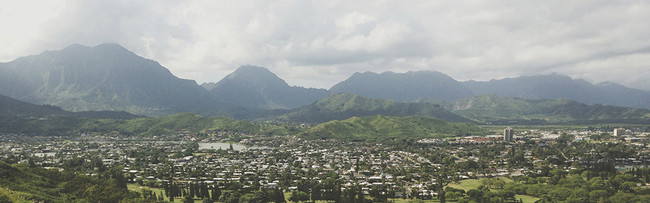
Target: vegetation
193, 123
390, 128
22, 182
504, 110
342, 106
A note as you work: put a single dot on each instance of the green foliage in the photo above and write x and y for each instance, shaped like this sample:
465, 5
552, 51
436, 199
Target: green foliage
345, 105
193, 123
299, 196
498, 109
38, 184
390, 128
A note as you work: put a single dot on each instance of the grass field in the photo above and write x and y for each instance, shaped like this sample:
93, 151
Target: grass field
469, 184
158, 191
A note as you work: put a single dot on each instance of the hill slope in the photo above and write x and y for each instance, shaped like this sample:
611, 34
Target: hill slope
22, 183
170, 125
22, 117
558, 86
340, 106
492, 108
258, 88
104, 77
389, 128
408, 86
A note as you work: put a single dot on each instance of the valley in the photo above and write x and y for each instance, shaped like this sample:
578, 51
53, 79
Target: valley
102, 124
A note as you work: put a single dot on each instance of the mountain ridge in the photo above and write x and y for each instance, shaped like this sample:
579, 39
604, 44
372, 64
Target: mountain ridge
341, 106
403, 87
108, 77
495, 109
256, 87
104, 77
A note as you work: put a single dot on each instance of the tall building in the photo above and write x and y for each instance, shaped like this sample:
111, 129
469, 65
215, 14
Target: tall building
507, 135
619, 132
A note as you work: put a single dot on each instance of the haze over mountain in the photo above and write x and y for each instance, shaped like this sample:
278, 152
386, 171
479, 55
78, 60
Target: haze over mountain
104, 77
258, 88
411, 86
556, 86
408, 86
21, 117
109, 77
341, 106
505, 110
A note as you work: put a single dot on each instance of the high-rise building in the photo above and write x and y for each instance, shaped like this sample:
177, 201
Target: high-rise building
619, 132
507, 135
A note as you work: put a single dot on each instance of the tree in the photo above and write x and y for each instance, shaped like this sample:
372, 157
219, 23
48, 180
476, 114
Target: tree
230, 197
216, 193
298, 196
5, 199
624, 197
277, 196
260, 196
475, 195
188, 199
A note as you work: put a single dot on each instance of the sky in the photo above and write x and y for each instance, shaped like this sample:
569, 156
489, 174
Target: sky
320, 43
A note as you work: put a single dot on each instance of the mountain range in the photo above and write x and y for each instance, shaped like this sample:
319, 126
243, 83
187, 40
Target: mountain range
556, 86
109, 77
104, 77
507, 110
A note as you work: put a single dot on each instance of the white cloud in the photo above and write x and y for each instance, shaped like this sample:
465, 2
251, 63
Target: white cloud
319, 43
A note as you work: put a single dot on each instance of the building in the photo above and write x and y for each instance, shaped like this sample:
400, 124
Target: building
619, 132
507, 135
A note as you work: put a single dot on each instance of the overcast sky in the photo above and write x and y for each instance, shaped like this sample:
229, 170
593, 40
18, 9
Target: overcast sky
320, 43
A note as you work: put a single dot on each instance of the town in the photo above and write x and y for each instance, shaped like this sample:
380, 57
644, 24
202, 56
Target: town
224, 162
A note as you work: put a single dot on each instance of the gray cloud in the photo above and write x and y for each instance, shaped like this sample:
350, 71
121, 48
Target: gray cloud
318, 43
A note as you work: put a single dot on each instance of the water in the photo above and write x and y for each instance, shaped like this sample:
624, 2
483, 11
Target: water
46, 154
218, 145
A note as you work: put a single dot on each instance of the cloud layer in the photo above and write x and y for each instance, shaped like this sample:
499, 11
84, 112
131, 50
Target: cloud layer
319, 43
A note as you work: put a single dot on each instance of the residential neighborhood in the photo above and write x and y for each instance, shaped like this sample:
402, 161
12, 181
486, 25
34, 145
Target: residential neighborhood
290, 163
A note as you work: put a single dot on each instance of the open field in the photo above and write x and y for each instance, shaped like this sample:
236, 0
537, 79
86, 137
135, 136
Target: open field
469, 184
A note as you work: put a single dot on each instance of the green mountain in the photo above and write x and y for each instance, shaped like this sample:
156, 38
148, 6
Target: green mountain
390, 128
25, 118
556, 86
340, 106
498, 109
408, 86
170, 125
104, 77
255, 87
12, 108
22, 117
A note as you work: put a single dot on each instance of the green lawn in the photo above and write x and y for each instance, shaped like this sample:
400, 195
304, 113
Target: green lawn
158, 191
526, 198
469, 184
466, 184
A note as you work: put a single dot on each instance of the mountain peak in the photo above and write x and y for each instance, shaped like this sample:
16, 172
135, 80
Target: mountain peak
257, 87
250, 72
408, 86
255, 76
104, 46
103, 77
